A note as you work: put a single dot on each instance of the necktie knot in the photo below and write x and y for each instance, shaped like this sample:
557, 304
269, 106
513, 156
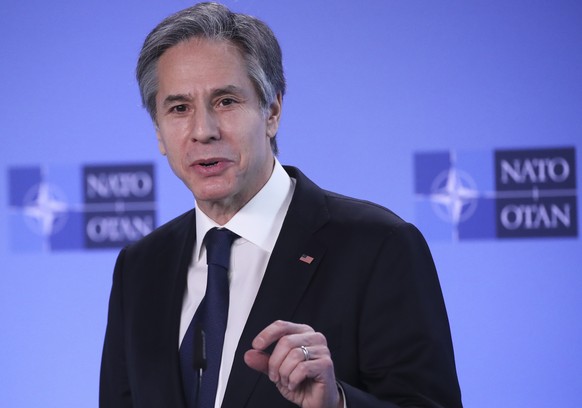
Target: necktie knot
218, 243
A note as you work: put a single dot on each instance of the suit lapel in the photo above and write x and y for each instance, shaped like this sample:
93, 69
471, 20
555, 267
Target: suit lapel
181, 258
294, 260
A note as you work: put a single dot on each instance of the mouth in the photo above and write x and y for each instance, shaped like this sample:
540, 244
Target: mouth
211, 165
213, 161
208, 164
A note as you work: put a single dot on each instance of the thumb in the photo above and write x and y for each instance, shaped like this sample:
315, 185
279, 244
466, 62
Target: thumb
257, 360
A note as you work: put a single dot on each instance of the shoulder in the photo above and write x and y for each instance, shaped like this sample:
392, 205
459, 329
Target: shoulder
367, 221
347, 214
168, 235
358, 210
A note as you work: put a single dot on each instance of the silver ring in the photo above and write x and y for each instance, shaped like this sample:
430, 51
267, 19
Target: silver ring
306, 354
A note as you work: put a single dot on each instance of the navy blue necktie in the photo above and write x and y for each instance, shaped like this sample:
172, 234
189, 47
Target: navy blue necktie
210, 319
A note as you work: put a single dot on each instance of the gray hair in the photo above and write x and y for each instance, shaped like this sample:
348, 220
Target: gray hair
255, 40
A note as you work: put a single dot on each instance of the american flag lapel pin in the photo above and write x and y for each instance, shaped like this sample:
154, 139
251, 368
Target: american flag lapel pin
306, 258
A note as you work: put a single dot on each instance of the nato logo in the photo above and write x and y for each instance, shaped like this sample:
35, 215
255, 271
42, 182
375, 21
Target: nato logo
55, 208
526, 193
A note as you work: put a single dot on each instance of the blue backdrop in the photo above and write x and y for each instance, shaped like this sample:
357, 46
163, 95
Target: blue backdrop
374, 86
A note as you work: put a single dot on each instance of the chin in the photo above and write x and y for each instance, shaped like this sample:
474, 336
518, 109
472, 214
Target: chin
212, 195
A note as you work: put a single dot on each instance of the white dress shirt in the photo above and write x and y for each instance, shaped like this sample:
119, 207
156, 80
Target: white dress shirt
258, 224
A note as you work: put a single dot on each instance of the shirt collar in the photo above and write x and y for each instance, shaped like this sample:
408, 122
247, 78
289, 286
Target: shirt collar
260, 220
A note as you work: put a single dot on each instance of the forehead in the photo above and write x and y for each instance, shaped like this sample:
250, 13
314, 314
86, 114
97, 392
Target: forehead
202, 59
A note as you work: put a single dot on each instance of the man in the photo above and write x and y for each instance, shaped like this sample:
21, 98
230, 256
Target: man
334, 302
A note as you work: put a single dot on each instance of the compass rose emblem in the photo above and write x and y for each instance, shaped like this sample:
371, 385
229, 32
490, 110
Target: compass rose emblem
454, 196
45, 209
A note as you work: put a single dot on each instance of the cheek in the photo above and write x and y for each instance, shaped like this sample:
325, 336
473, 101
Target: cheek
253, 152
162, 147
175, 156
170, 141
257, 156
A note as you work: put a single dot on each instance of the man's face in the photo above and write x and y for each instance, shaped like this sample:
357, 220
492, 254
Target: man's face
210, 125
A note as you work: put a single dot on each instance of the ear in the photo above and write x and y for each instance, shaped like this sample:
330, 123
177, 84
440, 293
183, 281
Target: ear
274, 116
161, 145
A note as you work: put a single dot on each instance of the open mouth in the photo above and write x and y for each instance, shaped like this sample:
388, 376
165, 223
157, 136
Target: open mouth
209, 164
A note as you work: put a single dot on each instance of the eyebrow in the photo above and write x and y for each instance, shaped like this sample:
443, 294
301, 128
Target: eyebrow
177, 98
228, 89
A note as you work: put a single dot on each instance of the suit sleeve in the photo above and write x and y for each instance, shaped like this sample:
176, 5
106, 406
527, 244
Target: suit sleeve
114, 388
405, 347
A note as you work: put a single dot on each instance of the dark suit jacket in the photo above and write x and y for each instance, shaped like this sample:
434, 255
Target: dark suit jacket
371, 289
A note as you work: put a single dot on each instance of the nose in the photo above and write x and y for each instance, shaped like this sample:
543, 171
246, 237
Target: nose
204, 126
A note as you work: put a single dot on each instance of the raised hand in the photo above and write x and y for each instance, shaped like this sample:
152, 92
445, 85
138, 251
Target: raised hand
300, 364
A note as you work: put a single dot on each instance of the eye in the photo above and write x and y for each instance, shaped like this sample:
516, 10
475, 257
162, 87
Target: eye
179, 108
226, 102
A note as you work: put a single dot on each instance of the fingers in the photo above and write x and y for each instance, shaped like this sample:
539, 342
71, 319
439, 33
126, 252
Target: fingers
289, 337
257, 360
300, 363
275, 331
294, 369
288, 353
